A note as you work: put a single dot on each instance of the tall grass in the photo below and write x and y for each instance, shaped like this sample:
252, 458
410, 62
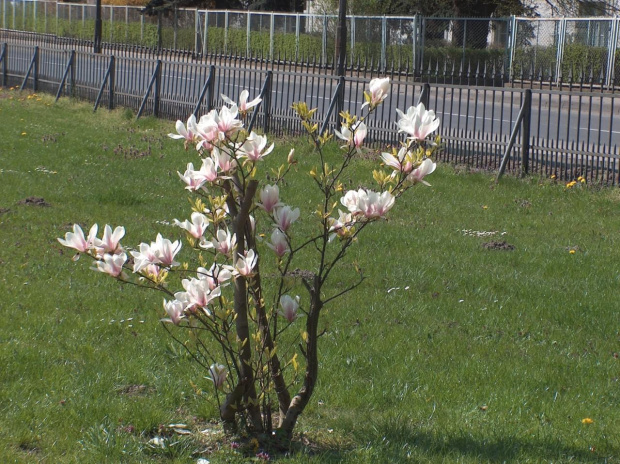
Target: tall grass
457, 349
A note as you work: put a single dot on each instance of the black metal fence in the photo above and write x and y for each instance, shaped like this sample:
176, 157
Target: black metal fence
570, 134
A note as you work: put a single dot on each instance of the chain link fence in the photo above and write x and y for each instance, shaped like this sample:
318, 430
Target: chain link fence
558, 50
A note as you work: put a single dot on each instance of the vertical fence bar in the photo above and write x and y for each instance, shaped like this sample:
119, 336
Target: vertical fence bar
271, 27
156, 97
111, 24
111, 82
383, 43
297, 27
267, 101
324, 41
175, 19
3, 58
512, 44
525, 132
205, 36
352, 54
226, 31
248, 29
414, 45
560, 50
611, 52
127, 24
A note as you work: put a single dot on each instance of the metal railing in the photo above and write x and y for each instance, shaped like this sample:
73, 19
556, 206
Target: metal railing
565, 134
555, 50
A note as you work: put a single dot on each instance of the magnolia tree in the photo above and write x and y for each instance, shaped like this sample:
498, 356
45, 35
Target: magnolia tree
258, 343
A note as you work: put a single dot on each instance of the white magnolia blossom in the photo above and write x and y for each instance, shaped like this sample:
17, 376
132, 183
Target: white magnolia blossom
254, 147
244, 266
161, 251
175, 309
285, 216
378, 90
244, 104
110, 242
354, 136
111, 264
427, 167
402, 162
77, 240
289, 307
270, 198
224, 242
368, 203
218, 375
279, 243
418, 123
196, 228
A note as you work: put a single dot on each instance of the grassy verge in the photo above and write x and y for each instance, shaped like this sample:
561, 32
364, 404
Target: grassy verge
487, 330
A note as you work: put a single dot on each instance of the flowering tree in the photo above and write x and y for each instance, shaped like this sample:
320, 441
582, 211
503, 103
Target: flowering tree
256, 347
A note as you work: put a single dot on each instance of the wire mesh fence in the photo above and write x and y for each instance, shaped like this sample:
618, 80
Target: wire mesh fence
521, 50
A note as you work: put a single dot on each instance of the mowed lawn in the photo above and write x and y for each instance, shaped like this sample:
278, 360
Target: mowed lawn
488, 329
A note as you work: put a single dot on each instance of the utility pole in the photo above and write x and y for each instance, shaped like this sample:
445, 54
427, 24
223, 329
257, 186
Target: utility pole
341, 37
97, 41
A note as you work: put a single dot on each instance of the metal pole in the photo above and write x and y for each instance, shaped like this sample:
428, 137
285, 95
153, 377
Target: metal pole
341, 37
525, 132
97, 41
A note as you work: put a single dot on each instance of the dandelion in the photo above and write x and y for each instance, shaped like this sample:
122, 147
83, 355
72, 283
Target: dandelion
23, 133
587, 421
485, 207
572, 252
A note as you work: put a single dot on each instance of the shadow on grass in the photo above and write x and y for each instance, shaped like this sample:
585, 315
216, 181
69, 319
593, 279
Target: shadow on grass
398, 440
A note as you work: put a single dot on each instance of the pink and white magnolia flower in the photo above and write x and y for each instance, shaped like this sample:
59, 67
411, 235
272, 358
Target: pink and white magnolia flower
110, 242
198, 294
144, 258
223, 242
196, 228
244, 104
254, 147
77, 240
402, 162
227, 122
207, 131
427, 167
285, 216
418, 123
354, 136
193, 179
377, 91
270, 198
224, 159
289, 308
279, 244
111, 264
245, 264
175, 309
218, 375
340, 227
165, 250
368, 203
215, 276
189, 133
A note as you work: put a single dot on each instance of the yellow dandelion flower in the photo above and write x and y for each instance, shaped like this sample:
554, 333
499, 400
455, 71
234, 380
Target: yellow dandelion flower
485, 207
587, 421
553, 176
23, 133
572, 252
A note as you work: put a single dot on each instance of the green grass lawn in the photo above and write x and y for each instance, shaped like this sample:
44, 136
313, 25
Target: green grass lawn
452, 351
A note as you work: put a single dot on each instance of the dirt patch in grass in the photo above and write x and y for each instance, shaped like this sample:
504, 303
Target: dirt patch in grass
34, 201
135, 390
495, 245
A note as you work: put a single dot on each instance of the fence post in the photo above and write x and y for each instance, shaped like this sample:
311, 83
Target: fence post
525, 132
159, 38
340, 107
271, 27
3, 59
297, 27
157, 89
560, 50
324, 41
205, 41
111, 82
352, 53
175, 19
512, 38
611, 52
425, 95
248, 32
383, 43
267, 102
68, 69
226, 32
